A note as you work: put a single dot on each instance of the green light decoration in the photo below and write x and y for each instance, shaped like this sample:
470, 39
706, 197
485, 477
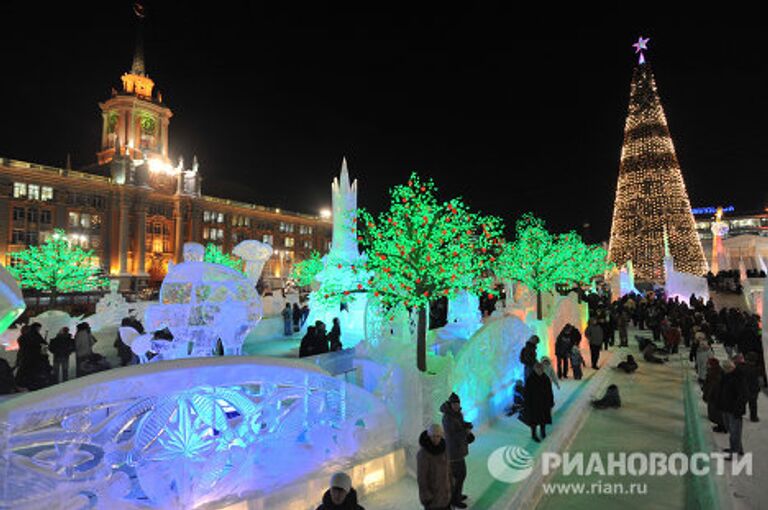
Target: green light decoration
214, 255
541, 260
421, 250
304, 272
56, 266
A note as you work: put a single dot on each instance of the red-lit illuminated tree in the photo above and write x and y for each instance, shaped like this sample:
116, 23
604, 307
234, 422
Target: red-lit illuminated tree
420, 250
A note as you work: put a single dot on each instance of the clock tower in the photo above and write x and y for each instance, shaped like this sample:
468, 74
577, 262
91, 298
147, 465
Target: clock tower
134, 120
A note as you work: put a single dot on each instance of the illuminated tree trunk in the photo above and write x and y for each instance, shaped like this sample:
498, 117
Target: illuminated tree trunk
538, 304
421, 340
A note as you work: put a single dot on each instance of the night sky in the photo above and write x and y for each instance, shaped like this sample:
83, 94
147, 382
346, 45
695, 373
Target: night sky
514, 112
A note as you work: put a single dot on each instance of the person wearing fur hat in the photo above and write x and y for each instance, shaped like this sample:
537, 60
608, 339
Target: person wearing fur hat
457, 438
340, 494
432, 471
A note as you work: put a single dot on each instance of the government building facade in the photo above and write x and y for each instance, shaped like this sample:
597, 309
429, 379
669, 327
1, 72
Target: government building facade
135, 208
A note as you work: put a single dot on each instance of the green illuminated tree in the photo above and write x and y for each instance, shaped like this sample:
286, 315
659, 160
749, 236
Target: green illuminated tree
305, 271
56, 266
421, 250
541, 260
215, 255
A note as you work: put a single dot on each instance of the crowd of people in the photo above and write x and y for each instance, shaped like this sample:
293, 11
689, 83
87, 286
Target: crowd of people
317, 341
725, 281
294, 317
33, 369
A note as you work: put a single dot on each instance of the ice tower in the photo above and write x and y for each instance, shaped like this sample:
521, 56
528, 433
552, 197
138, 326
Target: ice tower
344, 197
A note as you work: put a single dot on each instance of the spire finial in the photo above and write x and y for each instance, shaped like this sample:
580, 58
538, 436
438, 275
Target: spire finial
138, 55
640, 46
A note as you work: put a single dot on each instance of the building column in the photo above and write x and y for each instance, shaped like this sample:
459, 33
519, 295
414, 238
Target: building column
178, 240
141, 237
123, 235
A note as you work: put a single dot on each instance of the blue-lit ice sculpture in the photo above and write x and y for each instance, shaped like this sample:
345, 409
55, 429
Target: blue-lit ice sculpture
201, 303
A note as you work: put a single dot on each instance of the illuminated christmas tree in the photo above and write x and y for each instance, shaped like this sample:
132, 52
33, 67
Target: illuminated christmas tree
651, 194
304, 272
56, 266
420, 250
215, 255
541, 260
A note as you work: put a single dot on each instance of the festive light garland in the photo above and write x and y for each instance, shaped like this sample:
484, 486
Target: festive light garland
651, 196
214, 255
56, 266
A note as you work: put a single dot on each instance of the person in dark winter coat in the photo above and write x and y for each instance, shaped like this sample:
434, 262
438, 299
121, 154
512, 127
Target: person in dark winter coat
528, 355
711, 392
334, 336
732, 401
61, 347
610, 399
307, 346
539, 401
563, 351
752, 376
296, 315
594, 334
34, 368
628, 366
457, 433
433, 473
575, 335
623, 325
340, 494
577, 361
287, 314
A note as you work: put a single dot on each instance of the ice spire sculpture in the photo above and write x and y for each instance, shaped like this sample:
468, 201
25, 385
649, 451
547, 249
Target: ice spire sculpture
344, 197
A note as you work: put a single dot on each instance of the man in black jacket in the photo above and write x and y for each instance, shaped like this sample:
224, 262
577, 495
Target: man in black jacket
457, 433
563, 351
340, 495
528, 354
732, 401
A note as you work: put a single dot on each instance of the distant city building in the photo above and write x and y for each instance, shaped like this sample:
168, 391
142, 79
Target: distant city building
745, 238
135, 208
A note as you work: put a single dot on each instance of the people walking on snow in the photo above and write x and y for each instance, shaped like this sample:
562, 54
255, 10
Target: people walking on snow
594, 334
433, 473
457, 438
528, 355
563, 351
539, 402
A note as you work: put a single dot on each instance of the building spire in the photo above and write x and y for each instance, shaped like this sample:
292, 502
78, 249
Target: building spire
138, 54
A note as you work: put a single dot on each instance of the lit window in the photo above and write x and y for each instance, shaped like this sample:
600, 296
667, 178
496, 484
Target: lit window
85, 220
307, 245
268, 239
205, 233
220, 218
46, 193
33, 192
74, 219
19, 190
289, 242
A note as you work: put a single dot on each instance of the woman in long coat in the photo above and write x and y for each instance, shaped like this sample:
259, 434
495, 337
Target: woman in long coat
539, 401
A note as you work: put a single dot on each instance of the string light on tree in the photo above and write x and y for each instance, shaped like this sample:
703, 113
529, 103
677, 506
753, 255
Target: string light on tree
541, 260
651, 194
421, 250
57, 266
215, 255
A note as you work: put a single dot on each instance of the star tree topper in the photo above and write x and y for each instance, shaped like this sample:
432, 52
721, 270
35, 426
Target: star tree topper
640, 46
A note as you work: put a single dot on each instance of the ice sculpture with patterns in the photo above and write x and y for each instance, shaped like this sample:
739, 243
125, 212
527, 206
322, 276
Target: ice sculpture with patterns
202, 302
